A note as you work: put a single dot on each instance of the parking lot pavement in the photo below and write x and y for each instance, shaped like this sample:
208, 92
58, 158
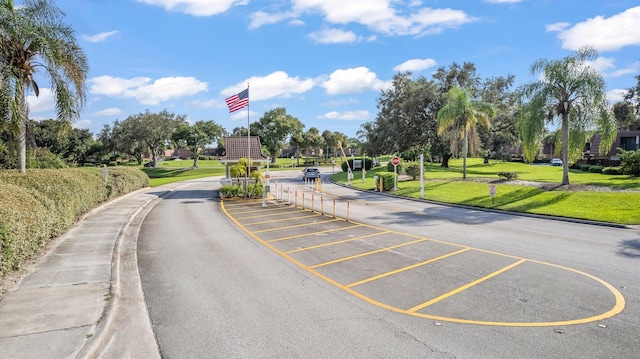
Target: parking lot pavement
423, 277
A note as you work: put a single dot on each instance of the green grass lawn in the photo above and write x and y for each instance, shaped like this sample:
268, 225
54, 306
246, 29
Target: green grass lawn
446, 185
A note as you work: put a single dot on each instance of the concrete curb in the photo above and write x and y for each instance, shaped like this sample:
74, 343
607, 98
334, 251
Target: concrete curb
126, 331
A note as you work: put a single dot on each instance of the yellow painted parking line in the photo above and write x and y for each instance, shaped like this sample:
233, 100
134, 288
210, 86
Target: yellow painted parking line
265, 212
312, 233
257, 209
465, 287
295, 226
336, 242
616, 309
280, 220
368, 253
400, 270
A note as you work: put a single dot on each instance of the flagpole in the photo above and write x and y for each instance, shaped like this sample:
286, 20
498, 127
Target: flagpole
248, 133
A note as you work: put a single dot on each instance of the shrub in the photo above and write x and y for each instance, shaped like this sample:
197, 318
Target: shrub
387, 181
509, 176
228, 191
630, 162
585, 168
44, 158
413, 170
254, 190
42, 204
613, 170
596, 169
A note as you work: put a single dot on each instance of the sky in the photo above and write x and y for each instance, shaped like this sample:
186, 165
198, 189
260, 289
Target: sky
325, 61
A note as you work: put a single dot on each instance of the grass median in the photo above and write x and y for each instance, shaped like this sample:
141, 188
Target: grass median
591, 196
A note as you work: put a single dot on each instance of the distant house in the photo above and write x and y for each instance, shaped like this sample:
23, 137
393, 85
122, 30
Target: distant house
627, 140
236, 147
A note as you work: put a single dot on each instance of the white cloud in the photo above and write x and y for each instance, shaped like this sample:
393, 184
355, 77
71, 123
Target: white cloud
112, 111
99, 37
361, 115
353, 80
333, 36
616, 95
607, 67
196, 7
82, 124
261, 18
274, 85
602, 64
415, 65
143, 90
559, 26
43, 103
604, 34
377, 15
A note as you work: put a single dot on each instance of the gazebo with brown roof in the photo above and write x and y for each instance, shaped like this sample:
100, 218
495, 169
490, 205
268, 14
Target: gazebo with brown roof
236, 148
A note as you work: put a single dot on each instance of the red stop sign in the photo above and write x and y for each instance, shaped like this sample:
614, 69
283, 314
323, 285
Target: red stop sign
395, 160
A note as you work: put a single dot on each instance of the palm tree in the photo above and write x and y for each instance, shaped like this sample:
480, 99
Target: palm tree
572, 90
460, 116
32, 38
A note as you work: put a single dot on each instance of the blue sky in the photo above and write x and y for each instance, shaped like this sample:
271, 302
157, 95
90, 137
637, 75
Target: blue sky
325, 61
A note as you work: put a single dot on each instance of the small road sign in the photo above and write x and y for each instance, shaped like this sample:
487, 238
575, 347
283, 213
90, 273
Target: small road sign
395, 160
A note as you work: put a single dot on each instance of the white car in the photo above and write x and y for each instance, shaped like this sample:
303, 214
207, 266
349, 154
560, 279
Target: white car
310, 173
556, 162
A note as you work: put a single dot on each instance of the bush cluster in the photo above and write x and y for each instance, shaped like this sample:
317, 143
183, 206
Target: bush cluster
596, 169
413, 170
42, 204
253, 191
387, 181
509, 176
613, 170
630, 163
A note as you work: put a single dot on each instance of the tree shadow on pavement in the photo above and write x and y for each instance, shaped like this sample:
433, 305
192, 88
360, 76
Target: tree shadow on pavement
630, 248
190, 195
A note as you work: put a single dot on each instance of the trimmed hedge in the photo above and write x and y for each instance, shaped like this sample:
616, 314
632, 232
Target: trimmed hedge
45, 203
387, 181
613, 170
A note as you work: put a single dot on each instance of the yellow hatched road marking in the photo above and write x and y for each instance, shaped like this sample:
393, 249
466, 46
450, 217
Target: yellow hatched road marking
280, 220
368, 253
297, 225
400, 270
265, 212
465, 287
616, 309
336, 242
312, 233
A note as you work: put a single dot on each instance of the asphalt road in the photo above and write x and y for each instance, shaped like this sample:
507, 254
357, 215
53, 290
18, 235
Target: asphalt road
223, 281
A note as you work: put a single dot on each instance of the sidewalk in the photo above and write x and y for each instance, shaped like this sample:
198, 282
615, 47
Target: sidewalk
84, 298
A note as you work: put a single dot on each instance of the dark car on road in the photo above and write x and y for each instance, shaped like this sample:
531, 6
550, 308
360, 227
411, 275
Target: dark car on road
310, 173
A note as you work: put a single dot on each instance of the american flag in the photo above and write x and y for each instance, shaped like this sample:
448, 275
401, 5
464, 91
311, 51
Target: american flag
238, 101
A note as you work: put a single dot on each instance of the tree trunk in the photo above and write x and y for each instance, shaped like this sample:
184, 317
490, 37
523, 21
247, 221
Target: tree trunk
22, 149
565, 147
22, 139
465, 147
445, 160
